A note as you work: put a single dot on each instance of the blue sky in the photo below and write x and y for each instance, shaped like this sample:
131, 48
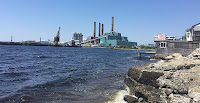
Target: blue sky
139, 20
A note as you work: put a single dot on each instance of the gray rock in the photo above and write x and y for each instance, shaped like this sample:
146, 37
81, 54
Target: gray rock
140, 99
167, 91
195, 93
175, 98
130, 99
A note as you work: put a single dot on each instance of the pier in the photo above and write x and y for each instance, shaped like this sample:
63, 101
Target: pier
140, 53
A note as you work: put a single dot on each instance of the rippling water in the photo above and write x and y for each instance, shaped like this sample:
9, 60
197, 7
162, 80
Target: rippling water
37, 74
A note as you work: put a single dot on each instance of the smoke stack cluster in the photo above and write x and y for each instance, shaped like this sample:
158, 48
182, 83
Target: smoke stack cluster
101, 29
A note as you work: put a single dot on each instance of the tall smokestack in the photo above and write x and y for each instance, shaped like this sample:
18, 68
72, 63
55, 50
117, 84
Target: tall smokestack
94, 29
112, 24
102, 29
99, 29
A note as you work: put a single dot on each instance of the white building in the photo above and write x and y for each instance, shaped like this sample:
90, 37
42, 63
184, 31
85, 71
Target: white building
194, 33
77, 37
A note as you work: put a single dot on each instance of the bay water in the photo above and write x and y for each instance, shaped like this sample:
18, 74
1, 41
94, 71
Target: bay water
37, 74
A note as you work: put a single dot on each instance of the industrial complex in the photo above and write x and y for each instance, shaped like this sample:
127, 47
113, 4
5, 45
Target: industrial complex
111, 39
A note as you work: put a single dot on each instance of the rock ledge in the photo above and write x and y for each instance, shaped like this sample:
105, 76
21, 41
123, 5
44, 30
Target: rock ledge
173, 80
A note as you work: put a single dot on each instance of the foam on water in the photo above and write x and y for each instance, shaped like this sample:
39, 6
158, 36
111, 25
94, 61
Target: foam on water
119, 96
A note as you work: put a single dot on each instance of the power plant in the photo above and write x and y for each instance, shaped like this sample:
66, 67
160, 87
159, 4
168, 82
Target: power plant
110, 39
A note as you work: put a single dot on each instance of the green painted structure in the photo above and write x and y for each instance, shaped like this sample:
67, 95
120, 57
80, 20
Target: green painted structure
115, 39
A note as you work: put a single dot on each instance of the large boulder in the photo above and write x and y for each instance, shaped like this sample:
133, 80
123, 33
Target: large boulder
141, 75
195, 54
143, 83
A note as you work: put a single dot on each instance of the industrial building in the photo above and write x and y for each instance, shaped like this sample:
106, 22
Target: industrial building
114, 39
184, 47
77, 36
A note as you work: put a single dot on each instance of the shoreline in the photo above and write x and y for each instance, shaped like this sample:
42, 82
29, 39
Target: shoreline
120, 48
52, 45
173, 80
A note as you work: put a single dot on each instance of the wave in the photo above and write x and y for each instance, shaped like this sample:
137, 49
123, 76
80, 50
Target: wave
18, 98
42, 57
14, 74
23, 94
119, 96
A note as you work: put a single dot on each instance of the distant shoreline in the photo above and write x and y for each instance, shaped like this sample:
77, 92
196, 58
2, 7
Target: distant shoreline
43, 44
31, 44
118, 48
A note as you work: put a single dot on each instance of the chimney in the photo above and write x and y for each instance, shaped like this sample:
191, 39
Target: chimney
94, 29
102, 29
112, 24
99, 29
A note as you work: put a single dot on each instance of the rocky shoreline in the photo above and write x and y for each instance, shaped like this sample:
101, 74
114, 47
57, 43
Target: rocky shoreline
176, 79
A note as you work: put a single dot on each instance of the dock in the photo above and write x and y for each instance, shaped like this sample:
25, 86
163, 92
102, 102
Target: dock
140, 53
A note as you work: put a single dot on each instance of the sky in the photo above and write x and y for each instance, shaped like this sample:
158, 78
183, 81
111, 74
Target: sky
139, 20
